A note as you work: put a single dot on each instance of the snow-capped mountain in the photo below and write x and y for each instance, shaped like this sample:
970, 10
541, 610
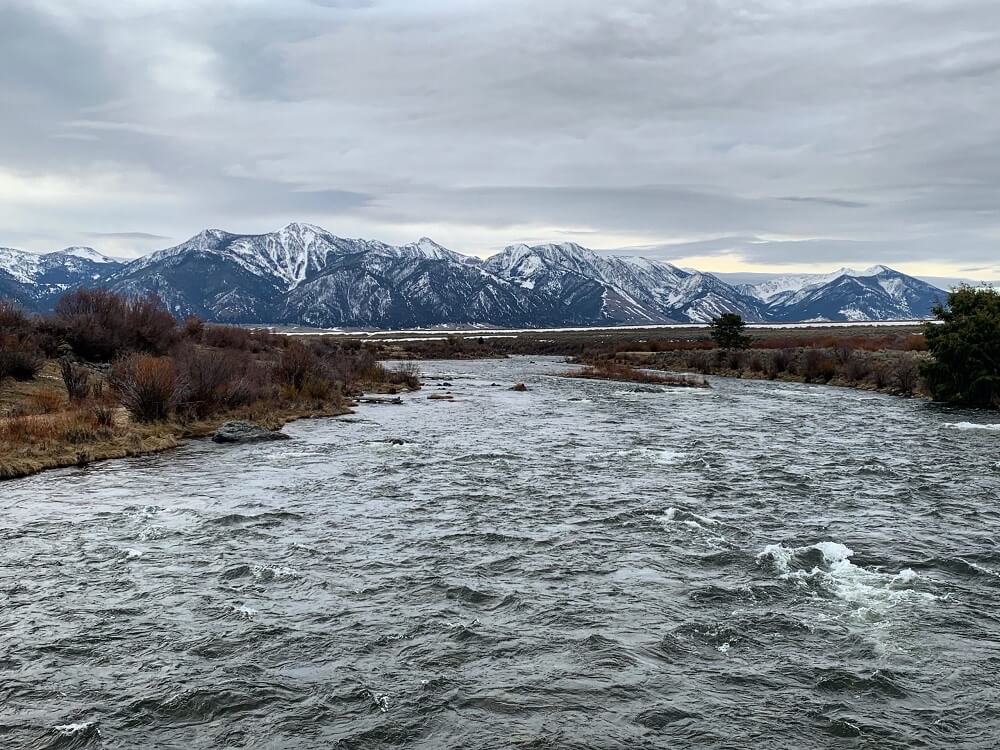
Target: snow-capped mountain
619, 289
876, 293
36, 280
303, 274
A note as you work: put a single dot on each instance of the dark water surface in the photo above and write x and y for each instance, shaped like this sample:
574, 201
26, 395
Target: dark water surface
587, 564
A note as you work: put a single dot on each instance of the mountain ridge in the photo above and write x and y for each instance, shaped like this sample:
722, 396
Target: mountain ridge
305, 275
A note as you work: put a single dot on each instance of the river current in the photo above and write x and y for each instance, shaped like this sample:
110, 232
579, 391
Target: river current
583, 565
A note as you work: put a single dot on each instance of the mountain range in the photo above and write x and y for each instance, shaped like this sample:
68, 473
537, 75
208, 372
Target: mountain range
304, 275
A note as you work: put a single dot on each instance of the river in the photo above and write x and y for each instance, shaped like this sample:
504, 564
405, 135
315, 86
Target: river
583, 565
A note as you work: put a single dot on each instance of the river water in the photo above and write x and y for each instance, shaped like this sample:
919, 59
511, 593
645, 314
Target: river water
586, 564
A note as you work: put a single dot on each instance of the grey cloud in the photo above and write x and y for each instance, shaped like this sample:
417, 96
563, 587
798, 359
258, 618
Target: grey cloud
125, 235
873, 124
828, 201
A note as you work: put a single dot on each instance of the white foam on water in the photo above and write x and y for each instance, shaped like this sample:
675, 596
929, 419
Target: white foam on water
247, 613
149, 533
274, 572
872, 592
664, 456
982, 568
131, 554
71, 730
381, 701
686, 517
971, 426
724, 648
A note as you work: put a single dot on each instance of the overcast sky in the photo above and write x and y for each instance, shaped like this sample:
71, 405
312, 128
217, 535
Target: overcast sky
731, 135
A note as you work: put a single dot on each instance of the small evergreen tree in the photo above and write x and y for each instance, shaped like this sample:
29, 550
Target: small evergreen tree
965, 345
727, 330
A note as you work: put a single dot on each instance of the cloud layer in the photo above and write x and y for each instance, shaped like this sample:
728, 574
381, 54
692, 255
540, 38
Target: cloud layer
814, 132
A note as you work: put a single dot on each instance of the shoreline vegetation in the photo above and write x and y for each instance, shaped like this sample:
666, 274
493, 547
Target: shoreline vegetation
866, 357
109, 377
954, 360
626, 373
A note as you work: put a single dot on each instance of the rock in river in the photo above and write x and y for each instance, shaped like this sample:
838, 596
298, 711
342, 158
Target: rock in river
246, 432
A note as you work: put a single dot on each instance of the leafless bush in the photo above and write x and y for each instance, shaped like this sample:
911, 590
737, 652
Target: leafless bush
20, 364
100, 325
233, 337
146, 386
12, 318
857, 368
212, 380
880, 376
296, 363
699, 360
315, 387
193, 327
905, 375
844, 352
779, 363
816, 365
405, 373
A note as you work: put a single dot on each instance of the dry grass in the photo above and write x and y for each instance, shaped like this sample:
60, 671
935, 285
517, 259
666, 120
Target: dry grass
29, 444
894, 371
623, 372
40, 429
75, 437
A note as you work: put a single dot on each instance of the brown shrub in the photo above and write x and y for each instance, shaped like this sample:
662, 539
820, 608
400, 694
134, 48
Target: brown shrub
817, 365
193, 327
233, 337
905, 375
315, 387
857, 368
212, 380
699, 360
100, 325
880, 376
12, 318
779, 363
146, 386
843, 351
295, 364
20, 363
405, 373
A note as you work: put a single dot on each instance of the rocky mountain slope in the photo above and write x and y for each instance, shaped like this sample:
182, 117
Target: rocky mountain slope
303, 274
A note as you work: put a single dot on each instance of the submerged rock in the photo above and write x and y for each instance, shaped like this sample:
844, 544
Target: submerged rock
441, 397
246, 432
519, 387
395, 400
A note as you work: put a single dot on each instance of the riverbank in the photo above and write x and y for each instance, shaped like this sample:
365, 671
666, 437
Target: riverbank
42, 429
107, 376
893, 372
